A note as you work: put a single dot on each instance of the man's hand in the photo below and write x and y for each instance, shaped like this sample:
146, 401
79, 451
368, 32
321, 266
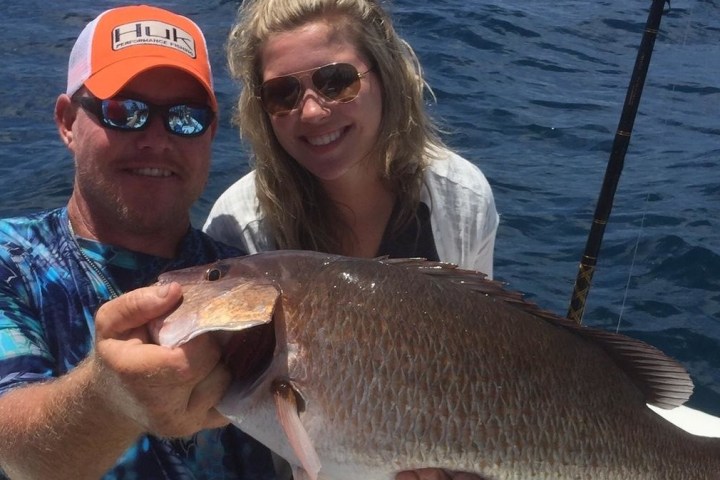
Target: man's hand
435, 474
165, 391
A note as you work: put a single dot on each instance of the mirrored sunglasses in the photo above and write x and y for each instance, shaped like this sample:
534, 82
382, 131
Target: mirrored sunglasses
336, 82
131, 115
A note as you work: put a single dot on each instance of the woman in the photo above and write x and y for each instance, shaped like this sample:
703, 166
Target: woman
346, 158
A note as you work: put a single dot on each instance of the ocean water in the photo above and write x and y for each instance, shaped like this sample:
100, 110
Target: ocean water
529, 90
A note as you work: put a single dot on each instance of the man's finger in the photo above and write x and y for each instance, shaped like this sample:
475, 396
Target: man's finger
136, 308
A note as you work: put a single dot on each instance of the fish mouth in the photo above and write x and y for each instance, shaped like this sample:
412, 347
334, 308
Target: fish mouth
249, 353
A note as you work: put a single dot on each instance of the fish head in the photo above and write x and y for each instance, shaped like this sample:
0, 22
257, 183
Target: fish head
234, 303
240, 302
233, 294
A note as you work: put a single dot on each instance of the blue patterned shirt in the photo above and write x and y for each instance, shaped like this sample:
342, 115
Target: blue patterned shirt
49, 293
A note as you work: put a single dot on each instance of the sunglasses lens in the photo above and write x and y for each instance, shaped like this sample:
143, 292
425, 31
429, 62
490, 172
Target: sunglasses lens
339, 82
188, 120
280, 95
125, 114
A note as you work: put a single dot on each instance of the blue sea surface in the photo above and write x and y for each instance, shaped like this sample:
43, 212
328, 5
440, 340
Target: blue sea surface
532, 92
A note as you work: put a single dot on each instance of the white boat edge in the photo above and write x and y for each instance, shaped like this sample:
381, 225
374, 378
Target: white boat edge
691, 420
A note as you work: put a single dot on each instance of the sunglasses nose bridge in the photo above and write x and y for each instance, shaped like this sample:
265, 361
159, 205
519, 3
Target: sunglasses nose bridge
313, 104
156, 125
307, 90
306, 82
157, 120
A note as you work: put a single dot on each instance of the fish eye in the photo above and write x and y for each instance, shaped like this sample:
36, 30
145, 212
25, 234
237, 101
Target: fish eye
213, 274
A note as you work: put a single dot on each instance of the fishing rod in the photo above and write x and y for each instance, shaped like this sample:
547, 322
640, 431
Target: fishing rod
615, 164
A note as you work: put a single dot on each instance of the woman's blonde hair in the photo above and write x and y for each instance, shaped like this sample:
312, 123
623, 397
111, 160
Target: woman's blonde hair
294, 205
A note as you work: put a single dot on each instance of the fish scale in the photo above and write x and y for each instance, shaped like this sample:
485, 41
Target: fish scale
403, 365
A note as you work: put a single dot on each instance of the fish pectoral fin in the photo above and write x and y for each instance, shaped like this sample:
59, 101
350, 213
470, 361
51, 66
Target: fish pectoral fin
286, 404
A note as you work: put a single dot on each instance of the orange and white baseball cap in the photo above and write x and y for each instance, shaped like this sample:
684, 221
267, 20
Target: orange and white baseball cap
124, 42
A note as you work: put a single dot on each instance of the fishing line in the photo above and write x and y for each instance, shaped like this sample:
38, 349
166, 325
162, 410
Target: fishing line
615, 164
632, 263
684, 36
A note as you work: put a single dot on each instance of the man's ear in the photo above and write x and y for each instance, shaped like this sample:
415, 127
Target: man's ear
65, 114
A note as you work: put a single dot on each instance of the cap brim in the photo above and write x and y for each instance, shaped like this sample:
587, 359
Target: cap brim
107, 82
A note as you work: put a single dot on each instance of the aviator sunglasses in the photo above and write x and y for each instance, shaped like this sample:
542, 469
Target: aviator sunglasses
130, 115
336, 82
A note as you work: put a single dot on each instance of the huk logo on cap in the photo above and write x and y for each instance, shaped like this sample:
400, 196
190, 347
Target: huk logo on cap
152, 32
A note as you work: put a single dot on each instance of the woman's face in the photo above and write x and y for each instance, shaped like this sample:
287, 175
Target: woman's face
330, 139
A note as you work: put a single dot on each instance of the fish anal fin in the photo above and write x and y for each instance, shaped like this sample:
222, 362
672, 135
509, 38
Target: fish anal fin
286, 404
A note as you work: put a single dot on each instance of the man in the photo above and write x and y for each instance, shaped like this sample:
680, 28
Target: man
83, 391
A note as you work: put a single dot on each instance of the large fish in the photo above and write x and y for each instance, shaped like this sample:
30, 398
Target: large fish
357, 369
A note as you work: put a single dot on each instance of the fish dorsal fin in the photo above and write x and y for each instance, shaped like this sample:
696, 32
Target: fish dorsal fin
663, 381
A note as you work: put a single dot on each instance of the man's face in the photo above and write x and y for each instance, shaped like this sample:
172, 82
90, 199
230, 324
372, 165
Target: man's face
142, 182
